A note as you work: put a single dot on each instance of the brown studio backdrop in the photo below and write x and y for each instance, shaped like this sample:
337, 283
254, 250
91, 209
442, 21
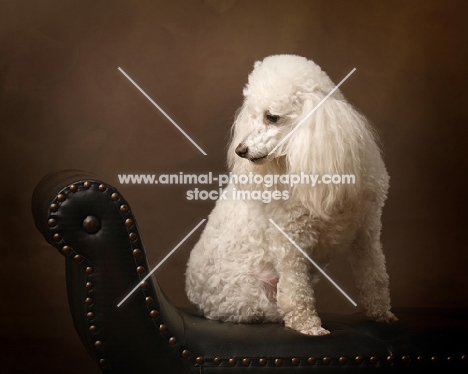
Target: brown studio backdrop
64, 104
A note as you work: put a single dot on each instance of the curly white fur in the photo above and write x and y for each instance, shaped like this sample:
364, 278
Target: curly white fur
243, 269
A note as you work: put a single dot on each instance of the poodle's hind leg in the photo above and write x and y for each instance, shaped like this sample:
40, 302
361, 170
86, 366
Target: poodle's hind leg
246, 299
368, 264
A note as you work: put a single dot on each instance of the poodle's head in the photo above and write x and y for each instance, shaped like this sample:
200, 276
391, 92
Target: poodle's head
281, 92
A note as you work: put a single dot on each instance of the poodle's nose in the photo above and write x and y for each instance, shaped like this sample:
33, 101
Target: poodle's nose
241, 150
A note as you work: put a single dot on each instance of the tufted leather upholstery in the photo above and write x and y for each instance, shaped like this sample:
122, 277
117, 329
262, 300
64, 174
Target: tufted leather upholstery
92, 225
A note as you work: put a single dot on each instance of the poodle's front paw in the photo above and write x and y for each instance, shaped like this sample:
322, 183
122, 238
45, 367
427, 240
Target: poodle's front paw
388, 317
315, 331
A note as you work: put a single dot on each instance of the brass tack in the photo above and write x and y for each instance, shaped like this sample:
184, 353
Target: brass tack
420, 359
373, 360
98, 344
88, 301
102, 187
326, 360
359, 359
144, 284
390, 359
172, 340
464, 358
115, 196
91, 224
51, 222
154, 313
232, 361
434, 359
186, 353
200, 360
73, 188
89, 270
162, 328
342, 360
57, 237
93, 328
102, 362
90, 315
53, 207
140, 269
450, 359
89, 286
311, 361
137, 252
405, 358
246, 361
124, 208
77, 258
61, 197
87, 184
295, 361
132, 236
128, 222
66, 249
262, 362
149, 300
217, 361
278, 362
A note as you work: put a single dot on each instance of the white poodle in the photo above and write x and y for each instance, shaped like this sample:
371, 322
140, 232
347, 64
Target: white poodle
244, 269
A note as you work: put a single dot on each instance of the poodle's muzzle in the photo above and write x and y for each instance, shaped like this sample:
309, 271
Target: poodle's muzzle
243, 151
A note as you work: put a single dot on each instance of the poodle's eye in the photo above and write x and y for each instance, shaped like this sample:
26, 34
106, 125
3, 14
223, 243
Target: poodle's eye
271, 118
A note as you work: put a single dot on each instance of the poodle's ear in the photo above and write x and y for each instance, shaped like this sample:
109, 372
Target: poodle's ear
334, 141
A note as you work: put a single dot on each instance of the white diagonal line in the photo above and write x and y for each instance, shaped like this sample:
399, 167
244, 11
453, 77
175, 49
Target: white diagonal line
313, 262
162, 111
162, 261
312, 111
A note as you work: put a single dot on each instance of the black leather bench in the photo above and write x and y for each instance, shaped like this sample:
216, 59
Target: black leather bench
92, 226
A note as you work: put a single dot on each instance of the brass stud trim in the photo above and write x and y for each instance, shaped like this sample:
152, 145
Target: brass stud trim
53, 207
90, 315
140, 269
51, 222
232, 361
87, 184
154, 313
217, 361
98, 344
173, 340
246, 361
128, 222
77, 258
390, 359
278, 362
262, 362
405, 358
311, 360
144, 284
434, 359
132, 236
93, 328
342, 360
89, 270
186, 354
61, 197
326, 360
57, 237
137, 252
295, 361
102, 187
359, 359
115, 196
73, 188
66, 249
124, 208
200, 360
373, 359
89, 301
149, 300
89, 286
162, 328
102, 362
